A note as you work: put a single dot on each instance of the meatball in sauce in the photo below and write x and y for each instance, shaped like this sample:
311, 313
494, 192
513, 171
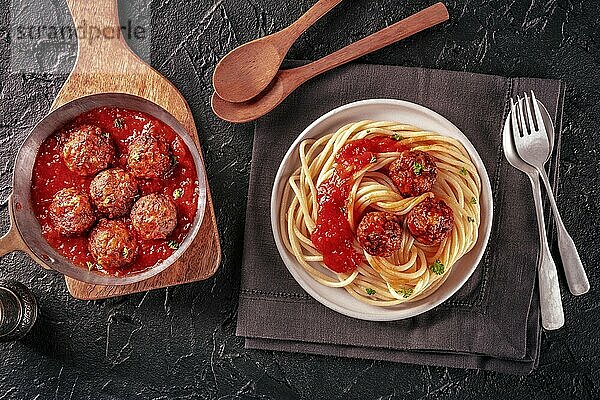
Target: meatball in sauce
71, 211
112, 244
413, 173
87, 150
113, 192
430, 221
380, 233
154, 216
149, 156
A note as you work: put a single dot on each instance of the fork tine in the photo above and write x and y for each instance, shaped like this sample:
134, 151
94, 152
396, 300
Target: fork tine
538, 113
513, 118
532, 124
524, 129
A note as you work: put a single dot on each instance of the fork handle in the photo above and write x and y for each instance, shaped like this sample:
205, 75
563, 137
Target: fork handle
577, 279
551, 307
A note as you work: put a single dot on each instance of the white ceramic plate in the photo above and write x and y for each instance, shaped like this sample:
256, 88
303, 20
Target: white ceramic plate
382, 110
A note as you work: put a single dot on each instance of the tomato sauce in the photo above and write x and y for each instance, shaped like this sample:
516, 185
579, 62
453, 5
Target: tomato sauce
50, 174
333, 236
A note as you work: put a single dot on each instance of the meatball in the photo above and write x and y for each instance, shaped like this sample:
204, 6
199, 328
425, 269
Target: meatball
154, 216
380, 233
430, 221
413, 173
113, 192
71, 212
149, 156
88, 150
112, 244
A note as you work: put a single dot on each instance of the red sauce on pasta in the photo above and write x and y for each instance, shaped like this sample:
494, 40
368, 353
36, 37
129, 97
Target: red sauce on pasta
50, 174
333, 236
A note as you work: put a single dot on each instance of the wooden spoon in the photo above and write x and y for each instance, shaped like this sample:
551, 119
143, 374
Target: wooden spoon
247, 70
288, 80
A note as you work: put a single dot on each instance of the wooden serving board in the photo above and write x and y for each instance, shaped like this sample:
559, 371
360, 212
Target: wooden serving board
107, 65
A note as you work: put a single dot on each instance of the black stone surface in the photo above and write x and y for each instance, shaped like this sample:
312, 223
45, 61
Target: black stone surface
179, 342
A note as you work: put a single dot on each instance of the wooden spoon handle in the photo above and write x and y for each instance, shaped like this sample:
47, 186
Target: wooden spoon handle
320, 8
422, 20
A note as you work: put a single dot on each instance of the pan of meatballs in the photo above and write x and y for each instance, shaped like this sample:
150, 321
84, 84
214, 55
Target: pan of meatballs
108, 189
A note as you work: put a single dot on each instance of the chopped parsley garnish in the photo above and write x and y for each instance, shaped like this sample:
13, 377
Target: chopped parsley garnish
90, 265
173, 244
370, 291
397, 137
463, 171
368, 131
174, 160
106, 135
125, 252
119, 123
473, 200
437, 267
470, 219
406, 292
373, 159
417, 168
177, 193
135, 156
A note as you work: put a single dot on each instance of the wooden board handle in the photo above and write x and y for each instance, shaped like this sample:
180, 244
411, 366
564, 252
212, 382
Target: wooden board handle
97, 12
99, 34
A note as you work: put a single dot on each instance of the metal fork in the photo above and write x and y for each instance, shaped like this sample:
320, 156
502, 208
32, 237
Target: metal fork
531, 141
550, 301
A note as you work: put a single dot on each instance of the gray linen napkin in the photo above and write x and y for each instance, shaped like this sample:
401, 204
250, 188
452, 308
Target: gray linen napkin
492, 322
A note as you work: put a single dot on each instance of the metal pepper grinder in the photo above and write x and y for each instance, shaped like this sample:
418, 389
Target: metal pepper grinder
18, 310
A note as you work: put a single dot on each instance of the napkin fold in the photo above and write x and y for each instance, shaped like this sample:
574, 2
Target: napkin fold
493, 321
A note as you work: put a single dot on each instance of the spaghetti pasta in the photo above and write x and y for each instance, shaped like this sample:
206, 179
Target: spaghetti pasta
414, 270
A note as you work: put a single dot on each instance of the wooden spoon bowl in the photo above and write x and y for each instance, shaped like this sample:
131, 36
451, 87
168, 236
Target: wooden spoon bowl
247, 70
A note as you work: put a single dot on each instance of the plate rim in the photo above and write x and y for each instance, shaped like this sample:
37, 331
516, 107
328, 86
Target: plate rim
288, 259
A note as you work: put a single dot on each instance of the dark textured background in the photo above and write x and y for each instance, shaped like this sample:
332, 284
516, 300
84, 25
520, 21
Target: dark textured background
180, 342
